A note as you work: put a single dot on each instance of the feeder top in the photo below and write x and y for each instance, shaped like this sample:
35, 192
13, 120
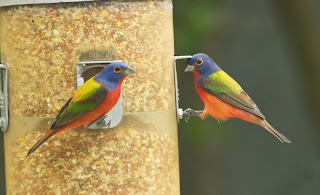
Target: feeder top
4, 3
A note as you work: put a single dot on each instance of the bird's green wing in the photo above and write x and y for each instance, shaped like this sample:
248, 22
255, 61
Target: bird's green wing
87, 97
221, 85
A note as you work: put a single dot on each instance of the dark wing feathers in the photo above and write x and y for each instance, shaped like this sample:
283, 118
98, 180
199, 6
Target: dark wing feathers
63, 107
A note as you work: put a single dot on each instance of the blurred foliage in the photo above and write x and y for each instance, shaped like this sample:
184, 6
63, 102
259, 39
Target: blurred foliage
196, 133
195, 20
302, 24
272, 49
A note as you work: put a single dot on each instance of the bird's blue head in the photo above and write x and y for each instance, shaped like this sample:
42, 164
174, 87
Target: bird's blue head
113, 75
202, 64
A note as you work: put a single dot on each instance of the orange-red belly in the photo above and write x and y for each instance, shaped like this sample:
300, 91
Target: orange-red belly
106, 105
223, 111
214, 106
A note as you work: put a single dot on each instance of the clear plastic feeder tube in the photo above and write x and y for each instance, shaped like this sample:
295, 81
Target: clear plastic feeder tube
41, 45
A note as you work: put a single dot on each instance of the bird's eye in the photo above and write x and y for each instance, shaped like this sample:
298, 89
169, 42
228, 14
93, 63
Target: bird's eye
116, 69
199, 61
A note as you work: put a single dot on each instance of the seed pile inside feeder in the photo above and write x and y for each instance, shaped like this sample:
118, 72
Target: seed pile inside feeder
41, 45
130, 159
44, 43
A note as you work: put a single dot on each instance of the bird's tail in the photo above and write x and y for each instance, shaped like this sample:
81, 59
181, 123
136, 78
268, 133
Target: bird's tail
42, 140
276, 133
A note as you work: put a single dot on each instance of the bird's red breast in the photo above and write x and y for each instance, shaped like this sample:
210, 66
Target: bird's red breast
219, 109
106, 105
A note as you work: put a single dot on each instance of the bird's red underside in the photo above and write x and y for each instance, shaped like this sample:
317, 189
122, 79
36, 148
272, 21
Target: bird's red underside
108, 103
221, 110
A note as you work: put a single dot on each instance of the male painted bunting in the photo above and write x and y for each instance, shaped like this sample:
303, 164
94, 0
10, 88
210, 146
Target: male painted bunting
95, 98
223, 97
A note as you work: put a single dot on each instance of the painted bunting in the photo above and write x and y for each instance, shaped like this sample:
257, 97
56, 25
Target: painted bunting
223, 97
95, 98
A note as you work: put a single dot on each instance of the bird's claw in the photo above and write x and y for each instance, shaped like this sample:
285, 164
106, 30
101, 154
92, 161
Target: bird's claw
190, 112
187, 114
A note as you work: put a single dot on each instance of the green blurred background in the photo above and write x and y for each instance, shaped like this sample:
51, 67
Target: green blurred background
272, 48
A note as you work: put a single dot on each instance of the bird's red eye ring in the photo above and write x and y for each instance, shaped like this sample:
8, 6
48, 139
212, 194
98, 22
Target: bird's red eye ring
199, 62
116, 69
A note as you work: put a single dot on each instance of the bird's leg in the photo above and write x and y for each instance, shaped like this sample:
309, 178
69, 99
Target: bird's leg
83, 127
189, 112
204, 114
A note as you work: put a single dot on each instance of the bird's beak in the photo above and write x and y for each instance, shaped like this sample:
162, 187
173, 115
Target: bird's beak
129, 70
189, 68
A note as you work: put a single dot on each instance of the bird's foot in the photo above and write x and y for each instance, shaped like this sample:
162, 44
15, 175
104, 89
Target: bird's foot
190, 112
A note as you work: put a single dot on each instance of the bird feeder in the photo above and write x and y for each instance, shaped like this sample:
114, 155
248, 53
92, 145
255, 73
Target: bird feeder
48, 49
